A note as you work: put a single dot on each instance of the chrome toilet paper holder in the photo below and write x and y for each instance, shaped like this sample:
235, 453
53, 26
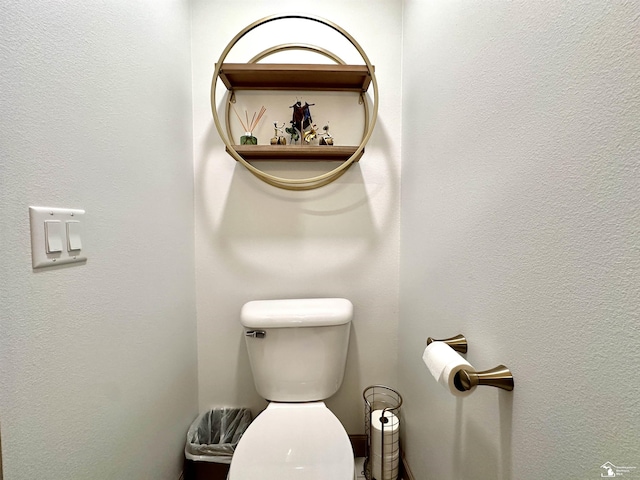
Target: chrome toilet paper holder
499, 377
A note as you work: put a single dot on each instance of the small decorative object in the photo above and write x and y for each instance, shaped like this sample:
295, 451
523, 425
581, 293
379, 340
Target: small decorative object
311, 133
301, 119
248, 139
293, 132
249, 127
325, 137
278, 135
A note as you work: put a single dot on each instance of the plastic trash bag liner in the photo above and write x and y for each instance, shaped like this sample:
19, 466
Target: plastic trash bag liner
213, 436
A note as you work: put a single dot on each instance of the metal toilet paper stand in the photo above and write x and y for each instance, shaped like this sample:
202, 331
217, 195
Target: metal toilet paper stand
383, 433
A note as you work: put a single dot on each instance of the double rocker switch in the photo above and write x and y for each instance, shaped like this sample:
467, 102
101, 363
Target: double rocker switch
55, 231
56, 236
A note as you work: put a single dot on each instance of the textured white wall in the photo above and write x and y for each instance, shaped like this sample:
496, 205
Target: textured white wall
97, 362
521, 187
254, 241
520, 230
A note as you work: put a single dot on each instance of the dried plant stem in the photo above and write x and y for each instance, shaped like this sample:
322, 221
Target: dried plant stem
250, 127
241, 122
255, 121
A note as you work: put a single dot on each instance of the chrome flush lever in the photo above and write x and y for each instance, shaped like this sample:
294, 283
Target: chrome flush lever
255, 333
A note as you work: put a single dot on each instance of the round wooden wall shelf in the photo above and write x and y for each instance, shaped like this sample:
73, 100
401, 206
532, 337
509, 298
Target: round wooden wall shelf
255, 76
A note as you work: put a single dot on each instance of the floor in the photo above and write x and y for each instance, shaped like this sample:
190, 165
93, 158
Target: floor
218, 471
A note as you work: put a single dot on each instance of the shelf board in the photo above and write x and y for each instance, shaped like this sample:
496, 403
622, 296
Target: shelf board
285, 76
312, 153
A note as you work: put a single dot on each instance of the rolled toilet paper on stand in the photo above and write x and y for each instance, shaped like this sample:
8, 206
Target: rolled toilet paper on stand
385, 471
444, 363
385, 436
385, 445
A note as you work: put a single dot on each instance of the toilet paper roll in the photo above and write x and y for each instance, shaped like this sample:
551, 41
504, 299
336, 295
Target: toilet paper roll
384, 421
385, 436
389, 460
385, 468
444, 363
389, 448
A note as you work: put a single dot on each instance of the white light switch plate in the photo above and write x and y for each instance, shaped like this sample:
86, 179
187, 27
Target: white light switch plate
38, 216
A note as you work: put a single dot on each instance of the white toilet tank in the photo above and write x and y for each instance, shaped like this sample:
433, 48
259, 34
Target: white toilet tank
297, 348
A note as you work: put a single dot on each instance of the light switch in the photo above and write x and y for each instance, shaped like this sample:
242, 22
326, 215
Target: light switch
53, 236
56, 236
74, 241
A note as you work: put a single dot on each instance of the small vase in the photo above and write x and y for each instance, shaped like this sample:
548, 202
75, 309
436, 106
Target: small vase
248, 139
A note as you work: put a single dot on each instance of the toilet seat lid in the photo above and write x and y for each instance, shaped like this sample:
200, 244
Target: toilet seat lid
294, 441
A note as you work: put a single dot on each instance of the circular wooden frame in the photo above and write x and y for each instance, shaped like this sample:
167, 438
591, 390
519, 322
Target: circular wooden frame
302, 183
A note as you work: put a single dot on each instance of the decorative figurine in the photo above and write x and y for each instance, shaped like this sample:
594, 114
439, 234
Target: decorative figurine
248, 138
301, 119
294, 135
326, 138
311, 133
278, 135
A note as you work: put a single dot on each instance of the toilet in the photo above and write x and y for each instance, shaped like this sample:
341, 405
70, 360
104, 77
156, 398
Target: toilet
297, 351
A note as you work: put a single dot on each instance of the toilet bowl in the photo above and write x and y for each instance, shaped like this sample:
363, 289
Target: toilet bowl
294, 441
297, 352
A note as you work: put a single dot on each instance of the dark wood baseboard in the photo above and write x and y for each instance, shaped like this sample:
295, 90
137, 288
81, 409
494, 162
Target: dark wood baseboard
405, 472
359, 444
